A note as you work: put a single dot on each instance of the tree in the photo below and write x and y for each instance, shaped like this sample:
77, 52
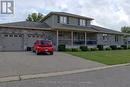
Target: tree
125, 29
35, 17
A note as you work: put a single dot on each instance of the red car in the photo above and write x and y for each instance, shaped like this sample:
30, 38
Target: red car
43, 46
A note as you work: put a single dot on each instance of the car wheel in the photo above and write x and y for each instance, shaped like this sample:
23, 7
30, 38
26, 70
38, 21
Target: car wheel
37, 52
51, 53
34, 51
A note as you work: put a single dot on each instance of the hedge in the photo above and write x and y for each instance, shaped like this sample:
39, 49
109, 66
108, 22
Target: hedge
61, 47
100, 47
84, 48
113, 47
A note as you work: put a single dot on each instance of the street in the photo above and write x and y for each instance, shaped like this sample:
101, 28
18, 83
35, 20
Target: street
111, 77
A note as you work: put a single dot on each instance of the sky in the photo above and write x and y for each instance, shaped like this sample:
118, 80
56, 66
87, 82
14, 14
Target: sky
112, 14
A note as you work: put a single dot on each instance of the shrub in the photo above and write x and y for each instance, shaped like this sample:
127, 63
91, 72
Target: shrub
124, 46
129, 47
84, 48
113, 47
94, 49
100, 47
108, 48
75, 49
68, 50
120, 48
89, 49
61, 47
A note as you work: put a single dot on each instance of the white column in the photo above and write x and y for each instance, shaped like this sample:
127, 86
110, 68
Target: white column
85, 39
72, 38
57, 38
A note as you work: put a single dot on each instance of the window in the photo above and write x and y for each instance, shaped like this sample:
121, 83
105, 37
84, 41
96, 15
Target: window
82, 22
63, 19
15, 36
116, 38
38, 36
33, 36
6, 35
20, 35
29, 35
10, 35
104, 36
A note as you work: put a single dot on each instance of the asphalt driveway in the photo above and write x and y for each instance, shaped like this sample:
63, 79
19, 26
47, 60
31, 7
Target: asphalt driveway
15, 63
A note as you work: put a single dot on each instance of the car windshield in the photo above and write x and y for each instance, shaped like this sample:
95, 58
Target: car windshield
45, 42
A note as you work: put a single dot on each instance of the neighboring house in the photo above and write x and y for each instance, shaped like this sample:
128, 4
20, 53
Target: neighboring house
60, 27
127, 39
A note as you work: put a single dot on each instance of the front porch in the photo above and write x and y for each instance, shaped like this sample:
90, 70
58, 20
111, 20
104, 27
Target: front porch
76, 38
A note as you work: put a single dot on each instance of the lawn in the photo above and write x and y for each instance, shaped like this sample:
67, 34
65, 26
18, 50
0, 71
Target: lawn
106, 57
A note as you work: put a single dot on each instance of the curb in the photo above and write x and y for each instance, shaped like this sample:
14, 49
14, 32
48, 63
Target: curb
34, 76
8, 79
24, 77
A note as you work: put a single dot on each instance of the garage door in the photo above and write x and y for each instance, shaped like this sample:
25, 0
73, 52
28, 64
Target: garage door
12, 42
32, 38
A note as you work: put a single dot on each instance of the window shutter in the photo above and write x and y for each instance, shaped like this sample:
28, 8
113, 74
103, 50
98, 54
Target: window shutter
67, 20
58, 19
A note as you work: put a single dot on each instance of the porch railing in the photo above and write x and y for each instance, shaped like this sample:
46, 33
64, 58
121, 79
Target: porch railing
91, 42
65, 41
77, 42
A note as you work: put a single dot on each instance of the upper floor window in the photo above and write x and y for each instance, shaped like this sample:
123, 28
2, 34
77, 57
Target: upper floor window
82, 22
63, 19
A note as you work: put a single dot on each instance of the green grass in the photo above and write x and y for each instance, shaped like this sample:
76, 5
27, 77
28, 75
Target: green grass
106, 57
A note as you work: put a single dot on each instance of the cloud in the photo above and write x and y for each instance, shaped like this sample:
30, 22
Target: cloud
107, 13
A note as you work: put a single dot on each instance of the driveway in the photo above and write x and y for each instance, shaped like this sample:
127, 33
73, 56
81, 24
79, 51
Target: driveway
110, 77
15, 63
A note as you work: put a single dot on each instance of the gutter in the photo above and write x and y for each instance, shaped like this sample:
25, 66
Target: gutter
31, 28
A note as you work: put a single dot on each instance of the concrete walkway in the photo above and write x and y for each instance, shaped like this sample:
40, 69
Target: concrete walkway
22, 63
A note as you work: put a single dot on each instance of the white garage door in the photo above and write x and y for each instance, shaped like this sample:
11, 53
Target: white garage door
12, 42
32, 38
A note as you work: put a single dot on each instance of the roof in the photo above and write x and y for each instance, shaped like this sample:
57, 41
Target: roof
44, 26
73, 27
25, 24
105, 30
67, 14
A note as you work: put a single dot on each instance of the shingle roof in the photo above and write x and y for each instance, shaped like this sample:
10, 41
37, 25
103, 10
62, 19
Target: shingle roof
35, 25
105, 30
67, 14
73, 27
25, 24
90, 28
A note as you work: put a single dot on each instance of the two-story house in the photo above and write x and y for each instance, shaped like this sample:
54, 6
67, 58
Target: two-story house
60, 27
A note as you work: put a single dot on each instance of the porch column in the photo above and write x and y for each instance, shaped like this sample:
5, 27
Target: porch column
57, 38
72, 38
85, 39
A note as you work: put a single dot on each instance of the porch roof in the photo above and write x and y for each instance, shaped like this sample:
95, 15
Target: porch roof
105, 30
91, 28
75, 28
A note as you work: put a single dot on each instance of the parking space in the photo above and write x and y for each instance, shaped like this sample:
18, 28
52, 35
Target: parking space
15, 63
